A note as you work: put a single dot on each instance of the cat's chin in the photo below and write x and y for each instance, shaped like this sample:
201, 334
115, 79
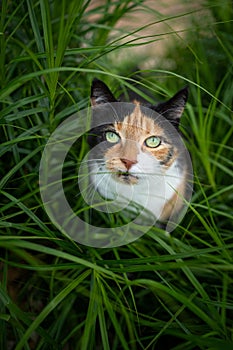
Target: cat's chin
126, 178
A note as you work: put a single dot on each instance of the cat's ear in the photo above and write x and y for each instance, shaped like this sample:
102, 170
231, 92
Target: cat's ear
173, 108
100, 93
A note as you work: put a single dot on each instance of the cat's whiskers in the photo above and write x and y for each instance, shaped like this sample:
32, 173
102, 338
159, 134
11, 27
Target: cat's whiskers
88, 161
104, 179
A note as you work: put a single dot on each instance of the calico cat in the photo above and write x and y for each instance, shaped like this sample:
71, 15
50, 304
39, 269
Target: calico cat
138, 160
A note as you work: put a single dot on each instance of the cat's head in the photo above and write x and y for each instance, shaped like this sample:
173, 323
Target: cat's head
138, 135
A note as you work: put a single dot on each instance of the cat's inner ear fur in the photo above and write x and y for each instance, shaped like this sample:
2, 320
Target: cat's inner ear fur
173, 108
100, 93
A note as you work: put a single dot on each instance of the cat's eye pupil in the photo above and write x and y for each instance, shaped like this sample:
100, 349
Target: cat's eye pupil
112, 137
153, 141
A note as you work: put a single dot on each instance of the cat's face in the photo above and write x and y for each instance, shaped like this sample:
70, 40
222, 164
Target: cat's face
137, 147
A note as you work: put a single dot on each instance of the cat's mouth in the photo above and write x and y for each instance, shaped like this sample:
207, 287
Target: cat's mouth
126, 177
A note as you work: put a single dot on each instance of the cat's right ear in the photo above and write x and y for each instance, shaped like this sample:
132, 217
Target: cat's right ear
173, 108
100, 93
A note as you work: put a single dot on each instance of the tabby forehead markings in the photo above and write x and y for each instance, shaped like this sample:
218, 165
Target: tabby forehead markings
138, 126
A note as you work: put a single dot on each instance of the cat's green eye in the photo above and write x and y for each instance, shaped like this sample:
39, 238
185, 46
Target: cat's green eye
112, 137
153, 142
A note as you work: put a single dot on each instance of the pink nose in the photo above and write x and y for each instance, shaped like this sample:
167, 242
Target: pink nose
128, 163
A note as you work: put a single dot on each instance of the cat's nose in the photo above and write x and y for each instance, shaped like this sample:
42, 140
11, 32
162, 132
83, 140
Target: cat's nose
128, 163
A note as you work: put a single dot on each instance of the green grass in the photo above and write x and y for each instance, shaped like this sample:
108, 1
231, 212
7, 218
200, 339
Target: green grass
159, 292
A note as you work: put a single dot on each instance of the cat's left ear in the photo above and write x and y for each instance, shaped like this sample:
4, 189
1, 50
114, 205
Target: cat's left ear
100, 93
173, 108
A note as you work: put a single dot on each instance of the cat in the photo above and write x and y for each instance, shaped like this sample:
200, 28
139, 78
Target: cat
138, 160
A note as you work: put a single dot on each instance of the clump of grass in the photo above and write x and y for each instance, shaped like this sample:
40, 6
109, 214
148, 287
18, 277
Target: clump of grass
158, 292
